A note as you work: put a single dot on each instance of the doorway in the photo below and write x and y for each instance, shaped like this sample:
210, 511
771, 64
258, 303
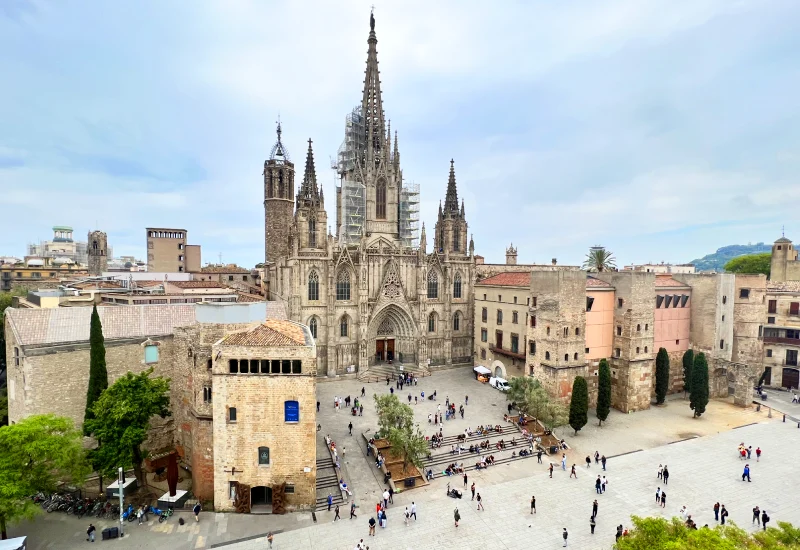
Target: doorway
260, 496
791, 378
384, 349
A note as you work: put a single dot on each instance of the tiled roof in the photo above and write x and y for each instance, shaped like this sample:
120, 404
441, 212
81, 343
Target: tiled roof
197, 284
71, 324
147, 284
508, 279
666, 281
596, 283
244, 297
271, 332
96, 284
223, 269
786, 286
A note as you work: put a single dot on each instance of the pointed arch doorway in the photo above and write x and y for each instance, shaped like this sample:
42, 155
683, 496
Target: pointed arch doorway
392, 336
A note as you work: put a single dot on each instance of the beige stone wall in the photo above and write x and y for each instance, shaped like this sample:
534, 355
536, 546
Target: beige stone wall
193, 257
484, 270
259, 402
712, 321
163, 252
508, 300
749, 314
51, 380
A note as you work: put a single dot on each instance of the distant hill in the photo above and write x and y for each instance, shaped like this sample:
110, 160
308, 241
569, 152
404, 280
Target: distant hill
717, 260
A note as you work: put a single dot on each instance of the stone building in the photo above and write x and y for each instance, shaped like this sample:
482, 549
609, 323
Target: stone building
784, 265
375, 300
97, 252
168, 250
781, 334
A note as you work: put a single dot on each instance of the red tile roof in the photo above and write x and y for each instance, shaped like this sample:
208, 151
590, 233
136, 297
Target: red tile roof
786, 286
271, 332
508, 279
197, 284
596, 283
223, 269
667, 281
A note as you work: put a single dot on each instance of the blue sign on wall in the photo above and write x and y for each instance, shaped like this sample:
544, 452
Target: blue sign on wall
292, 411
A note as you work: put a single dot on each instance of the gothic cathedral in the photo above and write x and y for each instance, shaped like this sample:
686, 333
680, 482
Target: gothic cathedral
368, 297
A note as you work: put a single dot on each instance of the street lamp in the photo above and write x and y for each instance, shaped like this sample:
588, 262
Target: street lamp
120, 478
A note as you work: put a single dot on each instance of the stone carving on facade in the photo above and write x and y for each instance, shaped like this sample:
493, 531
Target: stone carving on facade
385, 328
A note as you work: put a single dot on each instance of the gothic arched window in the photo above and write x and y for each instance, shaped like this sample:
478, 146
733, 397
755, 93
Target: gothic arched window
433, 284
313, 286
456, 322
94, 245
312, 324
380, 200
281, 187
271, 186
432, 322
343, 285
344, 326
312, 233
456, 239
457, 286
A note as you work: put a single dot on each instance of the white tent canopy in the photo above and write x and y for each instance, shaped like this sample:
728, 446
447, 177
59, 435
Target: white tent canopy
481, 370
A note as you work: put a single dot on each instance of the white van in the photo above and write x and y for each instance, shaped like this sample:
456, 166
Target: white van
499, 383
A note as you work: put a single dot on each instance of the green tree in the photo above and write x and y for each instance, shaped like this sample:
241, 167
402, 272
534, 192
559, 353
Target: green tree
698, 397
688, 361
657, 532
3, 407
532, 399
662, 375
121, 420
579, 404
409, 444
36, 454
751, 263
521, 390
599, 259
98, 375
392, 413
603, 391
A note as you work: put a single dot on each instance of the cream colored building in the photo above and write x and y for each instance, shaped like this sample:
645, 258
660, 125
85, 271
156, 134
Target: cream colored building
781, 334
169, 251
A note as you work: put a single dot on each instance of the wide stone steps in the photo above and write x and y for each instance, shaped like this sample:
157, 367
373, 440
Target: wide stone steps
471, 466
377, 373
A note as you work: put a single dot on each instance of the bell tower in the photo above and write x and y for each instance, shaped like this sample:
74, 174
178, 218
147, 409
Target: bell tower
97, 252
278, 201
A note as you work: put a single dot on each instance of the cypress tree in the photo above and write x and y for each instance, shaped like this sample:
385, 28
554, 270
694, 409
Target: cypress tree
98, 375
603, 391
688, 361
698, 397
662, 375
579, 404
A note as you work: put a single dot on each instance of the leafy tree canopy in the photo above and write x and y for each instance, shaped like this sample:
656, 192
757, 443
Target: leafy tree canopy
751, 263
396, 421
698, 397
599, 259
662, 375
579, 404
657, 532
392, 413
36, 454
121, 420
532, 399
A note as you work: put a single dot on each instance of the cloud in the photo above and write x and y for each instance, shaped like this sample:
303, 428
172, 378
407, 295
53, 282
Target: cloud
665, 126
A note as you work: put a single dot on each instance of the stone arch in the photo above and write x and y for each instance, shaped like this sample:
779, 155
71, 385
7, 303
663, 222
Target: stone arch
313, 325
392, 322
498, 369
345, 326
343, 278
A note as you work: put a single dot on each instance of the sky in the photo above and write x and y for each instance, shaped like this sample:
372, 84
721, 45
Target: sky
660, 129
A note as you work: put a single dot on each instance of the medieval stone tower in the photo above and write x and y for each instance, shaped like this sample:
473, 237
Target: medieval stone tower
511, 255
278, 201
98, 252
310, 219
451, 226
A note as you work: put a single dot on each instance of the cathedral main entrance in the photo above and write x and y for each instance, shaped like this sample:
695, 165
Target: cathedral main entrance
393, 333
384, 349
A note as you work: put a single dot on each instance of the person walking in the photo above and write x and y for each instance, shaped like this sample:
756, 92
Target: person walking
391, 494
551, 470
594, 508
407, 514
746, 472
658, 495
270, 537
480, 503
660, 471
663, 499
336, 512
588, 461
414, 510
371, 527
409, 398
539, 457
749, 450
597, 457
196, 510
756, 515
723, 513
353, 510
592, 524
565, 535
385, 498
716, 511
665, 474
603, 485
140, 515
564, 461
456, 516
90, 533
764, 519
466, 399
533, 504
465, 480
317, 406
363, 391
330, 501
758, 454
603, 462
573, 472
597, 484
472, 488
619, 532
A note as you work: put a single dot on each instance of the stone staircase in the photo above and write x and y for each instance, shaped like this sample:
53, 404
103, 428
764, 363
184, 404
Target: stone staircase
327, 483
376, 373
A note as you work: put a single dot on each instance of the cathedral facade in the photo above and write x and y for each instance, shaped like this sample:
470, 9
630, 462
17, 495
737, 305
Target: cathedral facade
368, 300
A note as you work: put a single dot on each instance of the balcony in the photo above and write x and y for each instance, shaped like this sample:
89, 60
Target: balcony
779, 340
506, 352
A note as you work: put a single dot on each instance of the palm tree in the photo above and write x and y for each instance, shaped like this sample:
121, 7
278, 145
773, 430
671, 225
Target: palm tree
599, 259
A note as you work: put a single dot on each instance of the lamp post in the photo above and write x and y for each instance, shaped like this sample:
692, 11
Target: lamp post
121, 502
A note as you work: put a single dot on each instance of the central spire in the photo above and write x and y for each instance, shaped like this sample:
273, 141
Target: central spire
309, 189
451, 199
371, 102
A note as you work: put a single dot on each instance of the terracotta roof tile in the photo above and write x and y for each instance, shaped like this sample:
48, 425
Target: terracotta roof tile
508, 279
96, 284
244, 297
596, 283
196, 284
663, 281
223, 269
785, 286
71, 324
272, 332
